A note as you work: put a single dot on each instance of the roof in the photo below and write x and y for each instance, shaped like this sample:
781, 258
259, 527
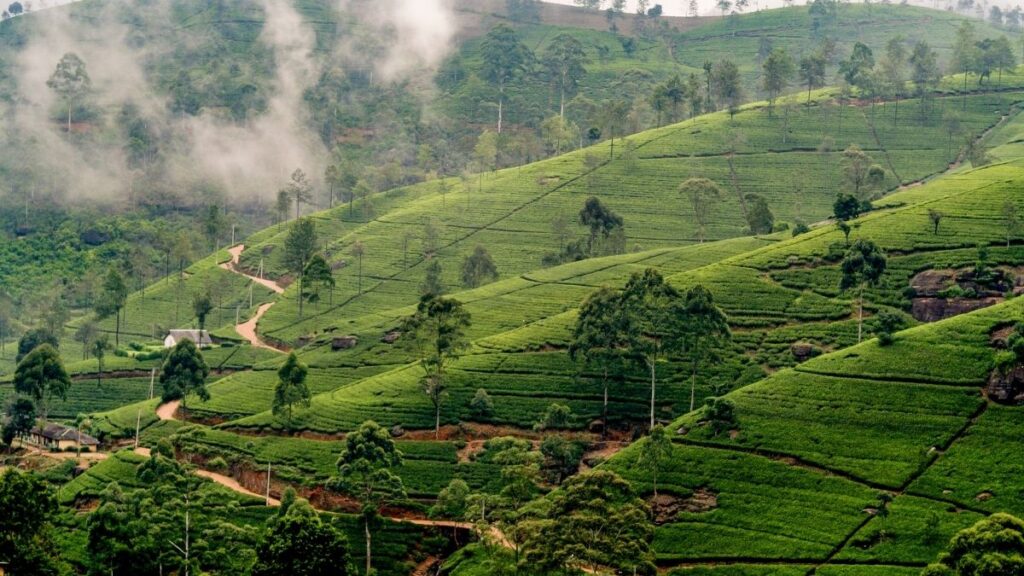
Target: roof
201, 337
57, 432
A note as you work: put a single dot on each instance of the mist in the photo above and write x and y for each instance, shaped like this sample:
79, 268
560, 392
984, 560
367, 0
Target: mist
208, 154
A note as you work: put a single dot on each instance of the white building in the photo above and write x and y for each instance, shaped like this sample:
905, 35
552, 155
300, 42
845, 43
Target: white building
200, 338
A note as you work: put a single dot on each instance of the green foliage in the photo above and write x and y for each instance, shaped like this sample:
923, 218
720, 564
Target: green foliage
291, 388
301, 544
41, 376
654, 451
478, 268
994, 545
594, 521
184, 373
27, 537
720, 415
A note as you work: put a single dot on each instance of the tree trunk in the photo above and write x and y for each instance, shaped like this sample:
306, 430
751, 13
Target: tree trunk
69, 118
693, 386
369, 556
860, 315
651, 365
604, 417
501, 106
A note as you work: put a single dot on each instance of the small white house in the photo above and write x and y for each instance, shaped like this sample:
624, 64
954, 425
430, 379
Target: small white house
200, 338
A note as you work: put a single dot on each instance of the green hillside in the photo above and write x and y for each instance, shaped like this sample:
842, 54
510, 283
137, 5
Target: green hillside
794, 446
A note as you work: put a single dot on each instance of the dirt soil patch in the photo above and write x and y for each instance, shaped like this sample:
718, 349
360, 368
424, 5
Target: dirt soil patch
667, 507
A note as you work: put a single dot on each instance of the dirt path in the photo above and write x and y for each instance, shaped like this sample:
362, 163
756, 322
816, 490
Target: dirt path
247, 329
232, 266
167, 410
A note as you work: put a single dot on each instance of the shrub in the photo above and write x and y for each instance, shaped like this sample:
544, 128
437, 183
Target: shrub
720, 414
217, 463
800, 228
481, 404
555, 417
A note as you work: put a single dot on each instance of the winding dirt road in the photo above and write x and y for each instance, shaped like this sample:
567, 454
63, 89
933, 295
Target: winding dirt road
247, 329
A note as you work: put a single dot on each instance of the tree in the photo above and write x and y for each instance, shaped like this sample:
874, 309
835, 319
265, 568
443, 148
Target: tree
600, 337
481, 404
653, 305
557, 132
1001, 56
213, 225
728, 87
86, 334
1011, 221
564, 60
299, 190
41, 376
705, 330
291, 388
33, 339
778, 71
602, 222
437, 332
505, 58
655, 451
702, 194
561, 457
975, 151
202, 305
452, 500
284, 203
612, 117
889, 322
113, 300
358, 251
478, 268
365, 473
485, 152
316, 277
593, 523
299, 247
719, 414
299, 543
893, 65
846, 207
21, 418
99, 349
432, 284
555, 417
28, 507
924, 71
965, 54
759, 216
184, 372
812, 73
951, 121
70, 80
860, 170
858, 69
935, 217
994, 545
863, 266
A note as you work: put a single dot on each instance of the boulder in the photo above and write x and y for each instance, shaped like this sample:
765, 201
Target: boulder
397, 431
344, 343
935, 309
1006, 388
802, 351
391, 337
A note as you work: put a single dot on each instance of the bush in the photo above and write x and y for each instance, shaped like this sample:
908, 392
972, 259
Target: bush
800, 228
555, 417
216, 463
